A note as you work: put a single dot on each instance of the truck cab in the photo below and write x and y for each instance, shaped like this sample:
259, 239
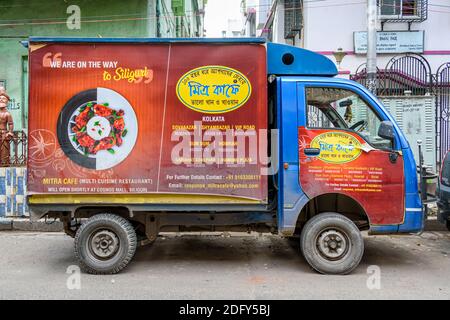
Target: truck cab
339, 164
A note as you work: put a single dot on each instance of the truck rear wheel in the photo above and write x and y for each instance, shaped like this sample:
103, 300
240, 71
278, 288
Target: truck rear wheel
105, 244
332, 244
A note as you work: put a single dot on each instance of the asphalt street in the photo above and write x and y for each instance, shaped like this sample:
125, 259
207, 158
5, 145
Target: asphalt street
224, 266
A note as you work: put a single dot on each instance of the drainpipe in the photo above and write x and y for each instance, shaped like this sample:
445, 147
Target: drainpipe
158, 17
372, 45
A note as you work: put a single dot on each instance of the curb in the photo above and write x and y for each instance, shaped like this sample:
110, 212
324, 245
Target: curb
21, 224
5, 225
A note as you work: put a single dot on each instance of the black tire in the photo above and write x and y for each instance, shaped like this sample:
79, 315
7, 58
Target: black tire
448, 225
343, 250
115, 238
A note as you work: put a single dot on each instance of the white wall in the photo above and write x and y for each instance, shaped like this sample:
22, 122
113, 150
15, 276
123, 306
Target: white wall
234, 28
262, 10
329, 24
278, 24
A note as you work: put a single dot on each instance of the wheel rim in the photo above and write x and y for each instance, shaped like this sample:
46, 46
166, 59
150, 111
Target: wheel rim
103, 244
333, 244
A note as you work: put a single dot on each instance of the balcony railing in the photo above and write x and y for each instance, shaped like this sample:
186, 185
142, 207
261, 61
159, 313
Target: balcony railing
13, 149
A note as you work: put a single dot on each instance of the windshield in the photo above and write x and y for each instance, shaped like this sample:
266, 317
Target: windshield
329, 107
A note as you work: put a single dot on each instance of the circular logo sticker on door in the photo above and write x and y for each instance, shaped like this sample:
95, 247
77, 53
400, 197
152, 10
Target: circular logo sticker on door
337, 147
97, 128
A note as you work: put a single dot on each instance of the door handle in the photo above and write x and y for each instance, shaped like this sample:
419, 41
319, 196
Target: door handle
312, 152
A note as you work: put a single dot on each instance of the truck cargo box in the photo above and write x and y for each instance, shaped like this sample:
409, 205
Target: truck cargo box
151, 119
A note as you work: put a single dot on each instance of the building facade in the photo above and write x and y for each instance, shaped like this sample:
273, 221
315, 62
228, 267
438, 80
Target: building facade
78, 18
279, 21
233, 29
325, 26
424, 23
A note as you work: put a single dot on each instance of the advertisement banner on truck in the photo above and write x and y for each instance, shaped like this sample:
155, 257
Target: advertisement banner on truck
166, 118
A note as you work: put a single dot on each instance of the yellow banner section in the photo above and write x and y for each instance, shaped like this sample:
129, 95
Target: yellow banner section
214, 89
109, 199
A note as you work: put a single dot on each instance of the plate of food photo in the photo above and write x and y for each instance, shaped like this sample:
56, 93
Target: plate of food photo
97, 128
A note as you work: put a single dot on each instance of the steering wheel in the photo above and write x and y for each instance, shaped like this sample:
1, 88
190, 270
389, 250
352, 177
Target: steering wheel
362, 124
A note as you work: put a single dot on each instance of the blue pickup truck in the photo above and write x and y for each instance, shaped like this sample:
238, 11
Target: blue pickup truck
114, 123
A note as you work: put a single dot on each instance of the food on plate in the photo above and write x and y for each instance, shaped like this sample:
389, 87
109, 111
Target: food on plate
98, 127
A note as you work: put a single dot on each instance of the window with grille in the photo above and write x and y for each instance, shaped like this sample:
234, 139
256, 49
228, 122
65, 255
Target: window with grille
403, 10
292, 18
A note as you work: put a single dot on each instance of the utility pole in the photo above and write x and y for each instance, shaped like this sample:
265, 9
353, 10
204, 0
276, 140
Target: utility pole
371, 64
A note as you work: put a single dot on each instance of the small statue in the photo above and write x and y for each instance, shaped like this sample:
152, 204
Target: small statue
6, 129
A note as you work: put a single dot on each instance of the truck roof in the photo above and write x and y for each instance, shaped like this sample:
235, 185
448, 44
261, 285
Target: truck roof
282, 60
146, 40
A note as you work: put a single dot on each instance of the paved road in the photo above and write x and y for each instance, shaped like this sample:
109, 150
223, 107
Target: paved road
240, 266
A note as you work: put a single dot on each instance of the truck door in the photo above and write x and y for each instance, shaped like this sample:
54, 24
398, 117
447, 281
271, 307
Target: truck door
340, 151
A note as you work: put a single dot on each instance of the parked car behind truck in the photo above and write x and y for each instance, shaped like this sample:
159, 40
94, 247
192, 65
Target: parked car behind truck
443, 192
133, 137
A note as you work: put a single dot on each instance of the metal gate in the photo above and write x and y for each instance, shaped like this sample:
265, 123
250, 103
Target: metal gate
443, 110
407, 74
410, 75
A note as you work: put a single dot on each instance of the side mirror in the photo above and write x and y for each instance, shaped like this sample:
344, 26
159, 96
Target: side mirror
386, 131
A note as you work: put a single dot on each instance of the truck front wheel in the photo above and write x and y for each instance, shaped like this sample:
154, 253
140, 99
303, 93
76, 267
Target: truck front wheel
332, 244
105, 244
